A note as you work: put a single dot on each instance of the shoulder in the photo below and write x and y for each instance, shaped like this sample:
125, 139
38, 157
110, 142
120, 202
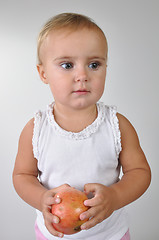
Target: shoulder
128, 133
132, 155
28, 128
123, 120
25, 161
27, 133
33, 124
121, 125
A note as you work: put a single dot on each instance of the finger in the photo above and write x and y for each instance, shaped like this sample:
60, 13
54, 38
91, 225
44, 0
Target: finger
52, 192
90, 187
96, 200
49, 217
92, 222
62, 187
52, 200
89, 213
91, 202
50, 228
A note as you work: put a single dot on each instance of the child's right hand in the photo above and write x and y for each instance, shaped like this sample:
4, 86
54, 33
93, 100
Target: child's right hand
47, 201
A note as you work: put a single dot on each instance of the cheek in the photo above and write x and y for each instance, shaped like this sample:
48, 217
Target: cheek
99, 85
101, 82
55, 88
59, 87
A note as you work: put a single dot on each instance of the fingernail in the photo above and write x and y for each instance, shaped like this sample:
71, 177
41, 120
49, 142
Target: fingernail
56, 220
82, 217
60, 235
85, 202
57, 200
83, 227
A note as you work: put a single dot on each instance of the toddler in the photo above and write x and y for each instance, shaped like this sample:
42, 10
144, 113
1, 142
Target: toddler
79, 141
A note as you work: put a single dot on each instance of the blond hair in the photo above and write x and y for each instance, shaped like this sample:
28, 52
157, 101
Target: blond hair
72, 21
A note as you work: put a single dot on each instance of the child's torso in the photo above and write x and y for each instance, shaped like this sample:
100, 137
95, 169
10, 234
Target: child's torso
90, 156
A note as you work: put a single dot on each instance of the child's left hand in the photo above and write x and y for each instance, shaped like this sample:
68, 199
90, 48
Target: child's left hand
102, 205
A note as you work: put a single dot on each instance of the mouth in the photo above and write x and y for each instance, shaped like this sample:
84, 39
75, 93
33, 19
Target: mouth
81, 91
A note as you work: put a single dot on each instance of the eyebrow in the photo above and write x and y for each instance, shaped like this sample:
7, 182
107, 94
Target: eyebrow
97, 57
70, 57
61, 58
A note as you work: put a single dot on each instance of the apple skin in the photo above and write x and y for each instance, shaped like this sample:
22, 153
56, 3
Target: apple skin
69, 210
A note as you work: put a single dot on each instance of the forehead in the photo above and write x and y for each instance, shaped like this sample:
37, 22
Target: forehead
74, 42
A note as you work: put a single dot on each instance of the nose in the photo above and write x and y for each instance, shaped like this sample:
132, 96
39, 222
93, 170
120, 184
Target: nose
81, 75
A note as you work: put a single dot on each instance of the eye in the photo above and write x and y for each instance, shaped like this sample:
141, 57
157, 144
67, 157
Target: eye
66, 65
94, 65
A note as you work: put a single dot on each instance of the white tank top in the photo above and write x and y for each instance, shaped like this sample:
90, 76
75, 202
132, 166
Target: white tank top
89, 156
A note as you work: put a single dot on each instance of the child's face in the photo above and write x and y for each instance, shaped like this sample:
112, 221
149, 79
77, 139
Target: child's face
74, 66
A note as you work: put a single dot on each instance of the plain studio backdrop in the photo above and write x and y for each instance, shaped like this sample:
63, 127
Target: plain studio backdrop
132, 84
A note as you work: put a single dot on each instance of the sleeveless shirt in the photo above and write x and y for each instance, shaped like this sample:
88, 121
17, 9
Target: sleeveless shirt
89, 156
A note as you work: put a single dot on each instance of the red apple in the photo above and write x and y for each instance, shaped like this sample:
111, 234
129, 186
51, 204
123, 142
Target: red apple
69, 210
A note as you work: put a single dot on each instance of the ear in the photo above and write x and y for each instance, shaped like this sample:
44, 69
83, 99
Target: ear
41, 72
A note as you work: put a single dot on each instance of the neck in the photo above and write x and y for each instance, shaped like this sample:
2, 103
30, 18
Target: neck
74, 120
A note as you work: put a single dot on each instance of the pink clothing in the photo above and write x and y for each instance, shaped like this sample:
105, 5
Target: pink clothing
126, 236
40, 236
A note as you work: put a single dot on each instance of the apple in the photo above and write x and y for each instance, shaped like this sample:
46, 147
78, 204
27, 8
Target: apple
69, 210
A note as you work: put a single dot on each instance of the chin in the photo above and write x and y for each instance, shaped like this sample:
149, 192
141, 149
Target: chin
83, 104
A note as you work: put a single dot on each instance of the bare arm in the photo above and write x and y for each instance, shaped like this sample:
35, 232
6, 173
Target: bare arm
137, 173
27, 184
25, 170
136, 179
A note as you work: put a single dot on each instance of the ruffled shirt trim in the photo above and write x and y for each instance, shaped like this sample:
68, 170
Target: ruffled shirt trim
85, 133
35, 138
116, 131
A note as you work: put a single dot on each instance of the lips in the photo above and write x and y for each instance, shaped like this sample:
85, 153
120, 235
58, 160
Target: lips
81, 92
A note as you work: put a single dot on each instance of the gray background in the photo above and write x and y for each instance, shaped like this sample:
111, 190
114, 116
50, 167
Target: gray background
132, 84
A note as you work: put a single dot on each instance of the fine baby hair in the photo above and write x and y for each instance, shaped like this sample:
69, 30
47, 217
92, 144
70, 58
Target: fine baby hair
69, 21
